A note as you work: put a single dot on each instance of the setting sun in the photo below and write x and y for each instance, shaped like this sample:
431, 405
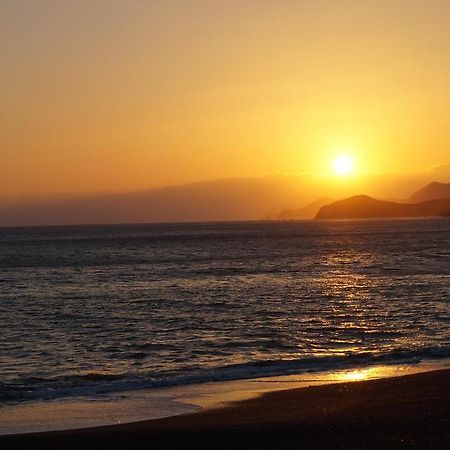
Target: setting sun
343, 165
198, 191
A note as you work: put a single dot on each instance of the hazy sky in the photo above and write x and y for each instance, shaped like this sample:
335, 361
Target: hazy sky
124, 95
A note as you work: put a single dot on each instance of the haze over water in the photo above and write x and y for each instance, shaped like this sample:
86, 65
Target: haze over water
98, 309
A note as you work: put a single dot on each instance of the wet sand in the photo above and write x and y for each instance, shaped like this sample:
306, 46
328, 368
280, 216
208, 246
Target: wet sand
405, 412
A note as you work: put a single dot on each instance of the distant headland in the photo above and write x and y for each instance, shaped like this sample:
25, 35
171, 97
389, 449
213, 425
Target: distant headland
431, 201
365, 207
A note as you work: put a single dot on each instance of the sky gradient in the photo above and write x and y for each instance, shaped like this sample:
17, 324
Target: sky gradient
101, 96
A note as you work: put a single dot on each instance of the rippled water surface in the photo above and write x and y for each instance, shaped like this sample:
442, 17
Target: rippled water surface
104, 308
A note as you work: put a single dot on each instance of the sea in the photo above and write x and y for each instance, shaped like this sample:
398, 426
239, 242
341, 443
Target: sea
92, 310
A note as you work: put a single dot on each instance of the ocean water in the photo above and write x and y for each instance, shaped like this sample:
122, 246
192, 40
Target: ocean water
99, 309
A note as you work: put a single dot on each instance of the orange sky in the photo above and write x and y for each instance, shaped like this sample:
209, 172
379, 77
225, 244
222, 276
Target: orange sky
118, 96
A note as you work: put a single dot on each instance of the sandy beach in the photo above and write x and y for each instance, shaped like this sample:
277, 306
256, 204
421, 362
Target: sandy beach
412, 411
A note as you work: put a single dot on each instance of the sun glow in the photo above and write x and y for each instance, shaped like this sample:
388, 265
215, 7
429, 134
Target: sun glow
343, 165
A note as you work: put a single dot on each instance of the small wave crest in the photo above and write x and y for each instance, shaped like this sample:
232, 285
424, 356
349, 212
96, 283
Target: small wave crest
94, 383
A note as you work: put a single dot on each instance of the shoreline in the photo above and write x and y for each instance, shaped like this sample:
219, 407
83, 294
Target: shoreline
409, 411
138, 405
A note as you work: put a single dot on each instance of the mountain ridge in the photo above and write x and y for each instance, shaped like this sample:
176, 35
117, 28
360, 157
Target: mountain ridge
431, 191
308, 211
366, 207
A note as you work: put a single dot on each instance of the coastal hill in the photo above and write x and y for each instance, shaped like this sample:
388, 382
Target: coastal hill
248, 198
306, 212
431, 191
365, 207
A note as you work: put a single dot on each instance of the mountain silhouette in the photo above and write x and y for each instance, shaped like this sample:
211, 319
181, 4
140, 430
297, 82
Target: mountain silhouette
215, 200
250, 198
431, 191
365, 207
308, 211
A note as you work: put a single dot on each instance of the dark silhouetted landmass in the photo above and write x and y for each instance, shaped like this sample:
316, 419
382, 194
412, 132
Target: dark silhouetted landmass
306, 212
250, 198
431, 191
365, 207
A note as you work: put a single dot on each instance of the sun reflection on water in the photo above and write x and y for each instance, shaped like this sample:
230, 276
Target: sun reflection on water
363, 374
357, 375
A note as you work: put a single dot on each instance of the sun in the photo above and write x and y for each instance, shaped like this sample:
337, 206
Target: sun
343, 165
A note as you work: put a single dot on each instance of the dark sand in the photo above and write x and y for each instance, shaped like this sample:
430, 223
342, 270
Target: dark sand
406, 412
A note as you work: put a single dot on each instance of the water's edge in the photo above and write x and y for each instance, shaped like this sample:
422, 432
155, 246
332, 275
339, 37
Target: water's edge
150, 404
